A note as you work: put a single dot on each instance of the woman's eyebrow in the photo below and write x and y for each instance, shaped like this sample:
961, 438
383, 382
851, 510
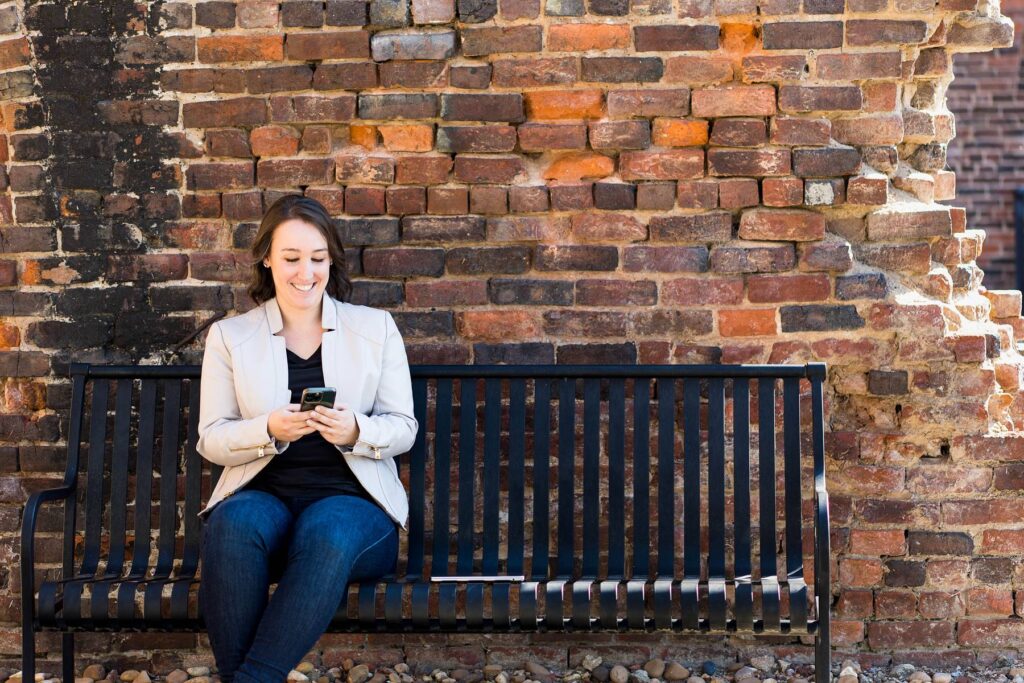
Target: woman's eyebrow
294, 249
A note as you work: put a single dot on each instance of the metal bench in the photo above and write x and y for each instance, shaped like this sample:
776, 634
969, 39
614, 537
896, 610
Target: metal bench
542, 498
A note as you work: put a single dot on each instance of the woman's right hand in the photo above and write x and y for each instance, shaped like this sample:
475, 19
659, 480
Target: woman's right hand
288, 424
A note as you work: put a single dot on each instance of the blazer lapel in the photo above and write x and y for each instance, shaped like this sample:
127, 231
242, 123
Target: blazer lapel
336, 348
282, 394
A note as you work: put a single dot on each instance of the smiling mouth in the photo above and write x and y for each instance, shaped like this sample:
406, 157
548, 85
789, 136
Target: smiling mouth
303, 288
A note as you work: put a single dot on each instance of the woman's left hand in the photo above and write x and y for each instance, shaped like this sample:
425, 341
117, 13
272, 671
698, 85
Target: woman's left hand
337, 426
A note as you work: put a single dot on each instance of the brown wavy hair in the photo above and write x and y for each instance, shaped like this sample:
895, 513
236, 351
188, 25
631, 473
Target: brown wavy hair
261, 285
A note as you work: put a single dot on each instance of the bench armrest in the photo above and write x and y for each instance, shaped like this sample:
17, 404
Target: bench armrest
28, 529
822, 554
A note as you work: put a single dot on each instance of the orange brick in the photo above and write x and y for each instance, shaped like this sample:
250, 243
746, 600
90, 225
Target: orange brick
1002, 541
273, 141
411, 138
878, 542
579, 166
565, 104
860, 573
22, 396
736, 100
747, 322
738, 39
14, 53
363, 135
241, 48
10, 336
680, 133
499, 325
990, 602
583, 37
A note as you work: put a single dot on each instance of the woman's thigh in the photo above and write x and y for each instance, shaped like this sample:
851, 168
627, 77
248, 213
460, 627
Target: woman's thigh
253, 518
353, 529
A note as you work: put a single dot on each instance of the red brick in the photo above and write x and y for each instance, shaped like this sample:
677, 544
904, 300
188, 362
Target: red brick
895, 605
248, 48
274, 141
800, 131
784, 191
15, 53
477, 42
752, 259
747, 322
405, 200
1002, 541
536, 72
864, 32
220, 176
740, 100
359, 168
450, 201
749, 162
802, 35
328, 45
990, 633
446, 293
703, 70
737, 193
877, 542
679, 38
488, 169
244, 111
782, 225
313, 108
869, 130
541, 137
607, 227
585, 37
859, 66
990, 602
779, 288
294, 172
698, 194
499, 325
773, 68
941, 605
625, 104
898, 634
414, 74
365, 201
422, 169
690, 291
671, 165
580, 165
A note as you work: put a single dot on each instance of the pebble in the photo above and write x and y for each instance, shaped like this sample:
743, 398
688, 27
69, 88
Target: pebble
655, 668
129, 675
942, 678
535, 669
176, 676
460, 674
676, 672
502, 677
402, 668
199, 679
378, 677
745, 672
901, 671
296, 675
639, 676
591, 662
196, 671
919, 676
143, 677
694, 679
95, 672
491, 671
600, 673
619, 674
83, 679
358, 674
764, 663
305, 668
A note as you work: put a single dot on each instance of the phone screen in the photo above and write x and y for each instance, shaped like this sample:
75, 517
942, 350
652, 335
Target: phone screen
317, 396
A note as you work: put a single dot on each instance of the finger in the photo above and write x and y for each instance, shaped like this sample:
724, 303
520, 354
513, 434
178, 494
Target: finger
292, 407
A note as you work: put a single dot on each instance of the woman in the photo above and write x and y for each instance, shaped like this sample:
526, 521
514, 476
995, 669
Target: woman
309, 499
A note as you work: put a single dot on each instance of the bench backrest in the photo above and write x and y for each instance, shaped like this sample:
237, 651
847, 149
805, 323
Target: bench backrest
619, 472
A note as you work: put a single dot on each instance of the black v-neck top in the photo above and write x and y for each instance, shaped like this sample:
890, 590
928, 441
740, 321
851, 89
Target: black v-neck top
310, 467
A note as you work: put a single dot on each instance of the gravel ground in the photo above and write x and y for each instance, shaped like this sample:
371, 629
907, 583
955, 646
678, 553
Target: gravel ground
763, 669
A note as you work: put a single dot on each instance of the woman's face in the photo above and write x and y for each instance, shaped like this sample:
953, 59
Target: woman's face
299, 263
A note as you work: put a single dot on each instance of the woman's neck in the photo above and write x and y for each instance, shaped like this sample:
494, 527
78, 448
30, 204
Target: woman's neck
301, 319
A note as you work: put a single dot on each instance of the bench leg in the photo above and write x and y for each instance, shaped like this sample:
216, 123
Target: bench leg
67, 651
28, 654
822, 659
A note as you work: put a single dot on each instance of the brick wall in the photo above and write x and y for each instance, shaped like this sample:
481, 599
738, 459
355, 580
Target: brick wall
662, 181
987, 99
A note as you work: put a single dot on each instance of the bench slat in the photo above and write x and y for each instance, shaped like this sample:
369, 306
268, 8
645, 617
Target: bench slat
442, 472
770, 594
541, 487
616, 479
467, 476
566, 474
417, 484
691, 503
491, 475
744, 606
716, 503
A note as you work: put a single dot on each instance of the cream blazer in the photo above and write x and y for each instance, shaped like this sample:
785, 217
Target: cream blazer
245, 378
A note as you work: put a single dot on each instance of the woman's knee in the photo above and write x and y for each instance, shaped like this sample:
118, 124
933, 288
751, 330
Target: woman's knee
249, 517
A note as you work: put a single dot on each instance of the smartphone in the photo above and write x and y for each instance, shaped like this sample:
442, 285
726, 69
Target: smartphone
317, 396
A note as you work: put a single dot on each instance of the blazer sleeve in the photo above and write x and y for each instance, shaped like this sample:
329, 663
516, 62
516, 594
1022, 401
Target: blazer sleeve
225, 438
390, 428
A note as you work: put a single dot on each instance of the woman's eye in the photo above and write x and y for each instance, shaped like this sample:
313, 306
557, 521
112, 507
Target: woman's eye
292, 260
319, 260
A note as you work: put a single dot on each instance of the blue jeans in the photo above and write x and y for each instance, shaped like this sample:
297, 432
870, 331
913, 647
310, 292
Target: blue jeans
312, 548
